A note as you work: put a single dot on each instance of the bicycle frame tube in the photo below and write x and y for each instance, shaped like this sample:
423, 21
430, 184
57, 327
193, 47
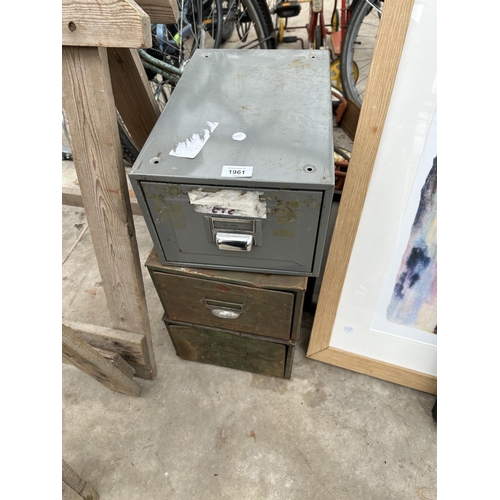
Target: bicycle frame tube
316, 14
313, 20
345, 15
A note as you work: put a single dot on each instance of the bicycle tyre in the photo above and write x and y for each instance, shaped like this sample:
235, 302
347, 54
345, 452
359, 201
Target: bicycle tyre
268, 23
278, 25
357, 49
254, 25
130, 152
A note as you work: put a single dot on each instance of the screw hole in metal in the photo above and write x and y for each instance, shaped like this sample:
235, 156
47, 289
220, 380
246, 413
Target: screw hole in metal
309, 168
155, 160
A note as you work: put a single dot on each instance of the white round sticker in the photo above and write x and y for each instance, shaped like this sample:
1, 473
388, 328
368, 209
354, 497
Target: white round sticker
239, 136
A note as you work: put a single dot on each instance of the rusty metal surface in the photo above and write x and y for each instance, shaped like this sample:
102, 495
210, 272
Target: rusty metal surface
263, 312
259, 280
207, 345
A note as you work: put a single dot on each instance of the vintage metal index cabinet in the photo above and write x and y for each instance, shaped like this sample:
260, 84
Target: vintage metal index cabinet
240, 320
238, 172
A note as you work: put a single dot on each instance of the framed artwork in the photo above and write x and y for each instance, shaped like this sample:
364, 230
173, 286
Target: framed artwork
377, 307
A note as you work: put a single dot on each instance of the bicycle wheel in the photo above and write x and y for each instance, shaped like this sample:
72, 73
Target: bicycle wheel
357, 48
278, 25
252, 25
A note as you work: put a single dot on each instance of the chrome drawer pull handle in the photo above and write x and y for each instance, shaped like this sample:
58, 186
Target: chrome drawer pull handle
226, 313
224, 310
234, 242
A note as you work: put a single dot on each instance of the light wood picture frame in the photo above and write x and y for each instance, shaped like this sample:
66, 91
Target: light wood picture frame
397, 17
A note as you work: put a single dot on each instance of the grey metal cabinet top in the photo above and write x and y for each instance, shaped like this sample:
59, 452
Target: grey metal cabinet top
272, 110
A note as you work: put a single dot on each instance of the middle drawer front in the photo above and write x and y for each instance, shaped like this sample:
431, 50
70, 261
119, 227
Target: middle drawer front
224, 305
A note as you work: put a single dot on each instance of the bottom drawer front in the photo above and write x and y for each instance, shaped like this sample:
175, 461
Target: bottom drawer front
215, 347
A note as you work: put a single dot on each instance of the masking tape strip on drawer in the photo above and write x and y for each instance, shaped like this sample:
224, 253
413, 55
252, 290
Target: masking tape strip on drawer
229, 201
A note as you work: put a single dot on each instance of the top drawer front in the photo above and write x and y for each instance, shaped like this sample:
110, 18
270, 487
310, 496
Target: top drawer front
283, 225
224, 305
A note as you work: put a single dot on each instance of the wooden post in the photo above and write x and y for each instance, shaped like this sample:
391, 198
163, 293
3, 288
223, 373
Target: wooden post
77, 352
90, 113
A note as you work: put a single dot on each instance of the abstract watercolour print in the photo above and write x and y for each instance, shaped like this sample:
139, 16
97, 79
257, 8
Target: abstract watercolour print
414, 298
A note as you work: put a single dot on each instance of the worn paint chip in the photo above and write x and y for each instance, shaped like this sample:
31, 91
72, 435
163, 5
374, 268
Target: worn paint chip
191, 146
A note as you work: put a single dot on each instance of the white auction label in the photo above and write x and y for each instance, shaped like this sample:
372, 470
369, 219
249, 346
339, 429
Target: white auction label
235, 171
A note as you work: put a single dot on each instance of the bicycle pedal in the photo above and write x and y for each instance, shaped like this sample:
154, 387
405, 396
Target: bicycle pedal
289, 39
287, 8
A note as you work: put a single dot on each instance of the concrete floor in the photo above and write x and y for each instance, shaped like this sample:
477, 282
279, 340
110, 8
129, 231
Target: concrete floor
205, 432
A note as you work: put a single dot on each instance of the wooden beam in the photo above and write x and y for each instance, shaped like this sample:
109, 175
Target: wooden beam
133, 96
161, 11
131, 347
86, 358
115, 359
105, 23
69, 493
72, 197
90, 115
118, 361
74, 486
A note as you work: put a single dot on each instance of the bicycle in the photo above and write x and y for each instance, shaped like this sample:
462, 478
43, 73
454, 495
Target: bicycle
352, 31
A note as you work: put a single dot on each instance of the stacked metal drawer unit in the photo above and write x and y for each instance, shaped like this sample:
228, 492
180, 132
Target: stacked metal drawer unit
236, 183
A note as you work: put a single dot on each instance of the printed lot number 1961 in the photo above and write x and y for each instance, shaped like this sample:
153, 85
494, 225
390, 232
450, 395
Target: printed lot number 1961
235, 171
